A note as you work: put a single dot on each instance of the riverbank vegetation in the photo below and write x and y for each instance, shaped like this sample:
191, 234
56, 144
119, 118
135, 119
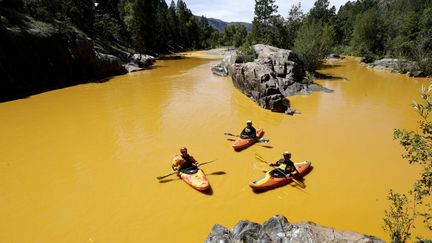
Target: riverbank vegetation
148, 26
406, 208
370, 28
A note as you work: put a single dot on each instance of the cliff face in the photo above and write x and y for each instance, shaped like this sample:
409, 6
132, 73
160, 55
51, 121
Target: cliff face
35, 56
278, 229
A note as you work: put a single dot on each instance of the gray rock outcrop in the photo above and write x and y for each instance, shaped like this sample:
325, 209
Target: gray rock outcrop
385, 63
273, 75
334, 57
137, 62
395, 65
278, 229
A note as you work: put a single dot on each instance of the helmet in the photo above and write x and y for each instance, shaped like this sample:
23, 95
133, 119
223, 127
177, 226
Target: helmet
248, 122
287, 153
183, 150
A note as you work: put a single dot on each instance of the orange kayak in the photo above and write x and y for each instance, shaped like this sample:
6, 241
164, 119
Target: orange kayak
242, 143
268, 182
196, 178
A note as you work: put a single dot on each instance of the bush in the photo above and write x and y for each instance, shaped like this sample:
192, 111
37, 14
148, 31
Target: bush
313, 42
246, 53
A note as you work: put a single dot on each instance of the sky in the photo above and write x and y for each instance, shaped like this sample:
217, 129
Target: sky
243, 10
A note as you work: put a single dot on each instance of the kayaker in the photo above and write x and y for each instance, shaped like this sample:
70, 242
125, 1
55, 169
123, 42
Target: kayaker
249, 131
184, 161
285, 166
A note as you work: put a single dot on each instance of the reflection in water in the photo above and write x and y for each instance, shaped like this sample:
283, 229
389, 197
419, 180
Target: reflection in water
80, 164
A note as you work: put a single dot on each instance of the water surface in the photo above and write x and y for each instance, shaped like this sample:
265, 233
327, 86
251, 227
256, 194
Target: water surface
80, 164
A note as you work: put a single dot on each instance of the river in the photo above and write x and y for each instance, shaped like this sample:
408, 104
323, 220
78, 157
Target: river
79, 164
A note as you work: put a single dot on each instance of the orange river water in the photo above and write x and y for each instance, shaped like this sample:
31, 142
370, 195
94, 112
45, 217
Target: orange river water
79, 164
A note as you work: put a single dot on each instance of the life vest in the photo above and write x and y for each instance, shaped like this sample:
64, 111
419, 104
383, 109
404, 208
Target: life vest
282, 167
177, 161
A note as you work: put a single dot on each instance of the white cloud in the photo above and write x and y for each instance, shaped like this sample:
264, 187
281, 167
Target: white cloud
243, 10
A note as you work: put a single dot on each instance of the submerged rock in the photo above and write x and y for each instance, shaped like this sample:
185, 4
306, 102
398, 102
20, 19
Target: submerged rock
137, 62
278, 229
417, 74
334, 57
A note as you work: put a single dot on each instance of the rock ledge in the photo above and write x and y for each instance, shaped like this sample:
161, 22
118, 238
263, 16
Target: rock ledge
278, 229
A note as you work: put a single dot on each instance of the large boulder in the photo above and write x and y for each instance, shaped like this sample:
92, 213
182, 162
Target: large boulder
275, 74
278, 229
137, 62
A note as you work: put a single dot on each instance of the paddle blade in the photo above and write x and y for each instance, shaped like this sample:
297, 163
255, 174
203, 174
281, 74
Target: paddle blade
230, 134
301, 184
165, 176
259, 157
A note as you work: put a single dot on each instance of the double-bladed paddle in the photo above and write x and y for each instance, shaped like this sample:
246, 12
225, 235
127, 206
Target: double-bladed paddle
175, 172
262, 140
301, 184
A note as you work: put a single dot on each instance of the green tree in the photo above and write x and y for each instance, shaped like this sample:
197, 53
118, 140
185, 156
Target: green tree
321, 11
278, 33
264, 11
173, 27
399, 219
215, 38
418, 147
184, 15
234, 35
313, 42
368, 34
240, 35
293, 23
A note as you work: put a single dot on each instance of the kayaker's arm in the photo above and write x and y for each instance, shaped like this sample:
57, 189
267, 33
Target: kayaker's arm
174, 168
243, 133
193, 161
277, 163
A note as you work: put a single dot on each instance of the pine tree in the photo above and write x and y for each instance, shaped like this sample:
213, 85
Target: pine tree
264, 11
293, 23
321, 12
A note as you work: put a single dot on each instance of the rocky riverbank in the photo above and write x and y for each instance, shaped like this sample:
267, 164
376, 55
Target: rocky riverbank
37, 56
270, 78
278, 229
395, 65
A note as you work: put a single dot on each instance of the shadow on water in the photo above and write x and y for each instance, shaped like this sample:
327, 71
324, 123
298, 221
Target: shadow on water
25, 92
265, 146
319, 75
208, 192
328, 66
14, 94
169, 180
170, 57
217, 173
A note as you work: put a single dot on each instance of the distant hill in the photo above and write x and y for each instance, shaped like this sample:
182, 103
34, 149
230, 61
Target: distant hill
220, 24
